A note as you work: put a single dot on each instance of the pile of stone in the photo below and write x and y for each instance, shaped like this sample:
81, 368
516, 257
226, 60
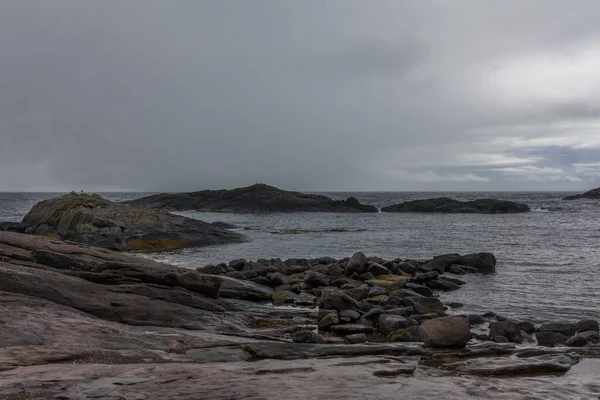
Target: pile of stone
361, 298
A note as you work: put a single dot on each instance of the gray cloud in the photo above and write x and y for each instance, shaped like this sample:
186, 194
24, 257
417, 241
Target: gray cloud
311, 95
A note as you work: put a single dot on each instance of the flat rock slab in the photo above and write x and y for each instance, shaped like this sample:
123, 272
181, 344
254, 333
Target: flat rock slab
512, 366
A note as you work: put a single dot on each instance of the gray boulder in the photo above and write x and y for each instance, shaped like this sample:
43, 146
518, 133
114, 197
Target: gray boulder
335, 299
388, 323
507, 329
356, 264
586, 325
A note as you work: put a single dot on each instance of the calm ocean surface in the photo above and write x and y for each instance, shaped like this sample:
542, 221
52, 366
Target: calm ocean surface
548, 260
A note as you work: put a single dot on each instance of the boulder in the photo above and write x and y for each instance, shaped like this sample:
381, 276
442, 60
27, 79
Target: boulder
591, 337
507, 329
255, 198
423, 305
335, 299
439, 284
451, 332
377, 269
388, 323
565, 328
549, 339
356, 338
90, 219
349, 315
316, 279
526, 327
586, 325
446, 205
483, 262
306, 336
356, 264
422, 290
327, 318
576, 341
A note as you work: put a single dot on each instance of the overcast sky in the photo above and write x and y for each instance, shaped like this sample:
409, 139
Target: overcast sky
308, 95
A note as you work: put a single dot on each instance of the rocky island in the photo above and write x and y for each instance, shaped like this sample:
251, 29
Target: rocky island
593, 194
89, 322
92, 220
447, 205
255, 198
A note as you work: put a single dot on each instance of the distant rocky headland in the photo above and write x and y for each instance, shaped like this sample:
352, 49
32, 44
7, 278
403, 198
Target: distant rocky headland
88, 322
255, 198
593, 194
446, 205
92, 220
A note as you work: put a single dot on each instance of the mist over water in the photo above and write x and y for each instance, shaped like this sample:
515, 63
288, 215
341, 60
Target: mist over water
548, 260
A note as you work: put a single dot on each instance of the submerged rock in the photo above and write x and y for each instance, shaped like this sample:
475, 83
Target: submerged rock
446, 205
13, 227
92, 220
255, 198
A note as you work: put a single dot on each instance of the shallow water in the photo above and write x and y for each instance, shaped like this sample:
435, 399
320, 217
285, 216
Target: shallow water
548, 260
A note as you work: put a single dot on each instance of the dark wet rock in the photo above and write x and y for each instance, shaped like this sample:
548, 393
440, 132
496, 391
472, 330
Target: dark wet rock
316, 279
377, 269
13, 227
422, 290
236, 275
438, 284
508, 329
376, 291
501, 339
453, 331
446, 205
425, 276
475, 319
262, 281
356, 338
576, 341
455, 305
512, 366
593, 194
324, 260
327, 318
456, 270
255, 198
305, 299
388, 323
212, 269
359, 293
410, 334
356, 264
277, 278
349, 315
549, 339
564, 328
423, 305
350, 329
392, 373
587, 325
482, 336
367, 276
92, 220
407, 267
306, 336
591, 337
483, 262
432, 266
526, 326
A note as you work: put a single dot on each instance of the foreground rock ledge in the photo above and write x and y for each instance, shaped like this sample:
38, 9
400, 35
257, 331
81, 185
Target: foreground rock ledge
255, 198
92, 220
83, 322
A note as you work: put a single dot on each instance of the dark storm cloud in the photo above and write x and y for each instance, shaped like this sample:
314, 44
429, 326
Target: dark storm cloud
312, 95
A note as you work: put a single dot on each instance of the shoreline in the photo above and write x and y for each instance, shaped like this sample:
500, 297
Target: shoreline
131, 325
